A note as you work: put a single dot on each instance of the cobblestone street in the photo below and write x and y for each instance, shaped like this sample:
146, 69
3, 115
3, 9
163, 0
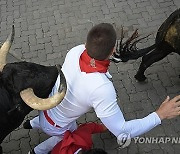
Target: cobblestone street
46, 29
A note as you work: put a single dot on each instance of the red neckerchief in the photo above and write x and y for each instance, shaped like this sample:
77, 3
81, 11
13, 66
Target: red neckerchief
90, 65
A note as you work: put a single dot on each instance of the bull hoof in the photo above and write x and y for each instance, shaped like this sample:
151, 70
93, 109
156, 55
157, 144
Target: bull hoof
140, 78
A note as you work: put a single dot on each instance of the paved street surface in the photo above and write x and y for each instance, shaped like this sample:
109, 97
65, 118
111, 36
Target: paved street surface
47, 29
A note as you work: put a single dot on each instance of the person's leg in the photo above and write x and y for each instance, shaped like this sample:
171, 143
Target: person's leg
31, 124
47, 145
51, 130
56, 133
35, 123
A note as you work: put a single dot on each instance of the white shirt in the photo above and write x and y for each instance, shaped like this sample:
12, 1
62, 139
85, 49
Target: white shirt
94, 90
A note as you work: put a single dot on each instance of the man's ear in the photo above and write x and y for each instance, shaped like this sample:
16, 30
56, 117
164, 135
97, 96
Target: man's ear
113, 50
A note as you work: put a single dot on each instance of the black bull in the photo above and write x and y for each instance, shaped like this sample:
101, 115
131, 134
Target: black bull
167, 41
13, 79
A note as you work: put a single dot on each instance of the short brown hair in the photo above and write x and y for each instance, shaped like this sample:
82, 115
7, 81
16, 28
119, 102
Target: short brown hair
101, 39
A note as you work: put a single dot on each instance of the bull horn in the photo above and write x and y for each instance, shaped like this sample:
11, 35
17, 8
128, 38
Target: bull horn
5, 49
37, 103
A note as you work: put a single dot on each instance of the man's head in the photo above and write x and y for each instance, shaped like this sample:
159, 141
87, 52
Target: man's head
94, 151
101, 40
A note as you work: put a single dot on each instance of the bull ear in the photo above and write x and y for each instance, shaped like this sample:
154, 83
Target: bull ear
5, 48
37, 103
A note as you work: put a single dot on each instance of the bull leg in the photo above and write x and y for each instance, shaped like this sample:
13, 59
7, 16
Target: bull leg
148, 60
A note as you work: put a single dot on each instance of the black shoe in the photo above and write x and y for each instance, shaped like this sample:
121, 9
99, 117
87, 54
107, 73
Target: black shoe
27, 125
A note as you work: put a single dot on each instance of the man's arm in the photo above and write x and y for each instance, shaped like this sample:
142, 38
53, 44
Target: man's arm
107, 109
169, 108
117, 124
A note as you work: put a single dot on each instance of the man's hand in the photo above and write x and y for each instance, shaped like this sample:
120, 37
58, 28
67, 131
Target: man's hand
169, 108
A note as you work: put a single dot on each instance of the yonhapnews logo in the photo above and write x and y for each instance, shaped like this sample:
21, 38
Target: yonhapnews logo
123, 140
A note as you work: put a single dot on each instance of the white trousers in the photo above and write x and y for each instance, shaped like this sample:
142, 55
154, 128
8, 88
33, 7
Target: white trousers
56, 133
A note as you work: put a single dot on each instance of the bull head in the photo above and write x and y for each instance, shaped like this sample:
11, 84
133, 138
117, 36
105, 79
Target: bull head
128, 50
28, 95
